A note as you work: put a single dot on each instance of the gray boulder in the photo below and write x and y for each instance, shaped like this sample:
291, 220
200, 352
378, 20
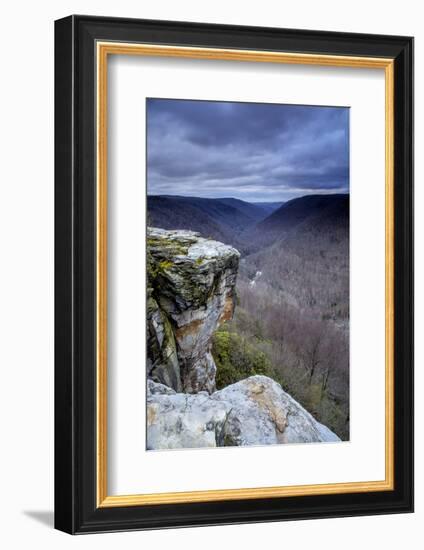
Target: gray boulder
254, 411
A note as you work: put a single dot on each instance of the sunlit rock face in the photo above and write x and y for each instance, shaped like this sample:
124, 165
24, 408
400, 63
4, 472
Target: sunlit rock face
191, 282
254, 411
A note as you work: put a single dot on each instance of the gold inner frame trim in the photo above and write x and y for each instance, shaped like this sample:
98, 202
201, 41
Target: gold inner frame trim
103, 50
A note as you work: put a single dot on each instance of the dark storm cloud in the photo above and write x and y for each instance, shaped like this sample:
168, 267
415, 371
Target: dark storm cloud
248, 151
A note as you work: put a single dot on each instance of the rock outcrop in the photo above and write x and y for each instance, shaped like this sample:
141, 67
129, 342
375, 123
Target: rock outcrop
191, 282
191, 291
162, 355
254, 411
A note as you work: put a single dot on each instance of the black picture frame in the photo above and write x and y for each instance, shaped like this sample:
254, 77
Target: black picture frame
76, 508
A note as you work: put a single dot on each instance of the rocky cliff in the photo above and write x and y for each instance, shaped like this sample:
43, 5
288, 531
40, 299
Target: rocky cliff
191, 283
191, 291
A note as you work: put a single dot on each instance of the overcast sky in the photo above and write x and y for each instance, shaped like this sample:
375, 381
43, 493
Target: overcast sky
253, 152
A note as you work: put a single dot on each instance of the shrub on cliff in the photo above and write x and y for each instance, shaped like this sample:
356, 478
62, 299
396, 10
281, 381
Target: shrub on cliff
236, 358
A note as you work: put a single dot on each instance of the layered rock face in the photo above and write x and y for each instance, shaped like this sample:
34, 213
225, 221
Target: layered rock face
191, 291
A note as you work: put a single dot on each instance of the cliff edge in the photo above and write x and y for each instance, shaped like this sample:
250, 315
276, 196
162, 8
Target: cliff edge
190, 292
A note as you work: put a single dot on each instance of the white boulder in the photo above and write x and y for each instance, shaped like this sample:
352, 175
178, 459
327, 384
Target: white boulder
254, 411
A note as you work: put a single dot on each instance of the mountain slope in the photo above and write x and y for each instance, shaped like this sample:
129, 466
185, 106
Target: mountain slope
302, 251
222, 219
291, 213
254, 212
311, 212
269, 207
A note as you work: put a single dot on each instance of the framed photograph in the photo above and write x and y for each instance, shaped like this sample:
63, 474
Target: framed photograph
234, 274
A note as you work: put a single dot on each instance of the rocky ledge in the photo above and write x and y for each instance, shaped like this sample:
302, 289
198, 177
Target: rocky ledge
191, 282
191, 291
254, 411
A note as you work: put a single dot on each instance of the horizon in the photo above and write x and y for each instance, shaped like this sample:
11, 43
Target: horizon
255, 152
243, 200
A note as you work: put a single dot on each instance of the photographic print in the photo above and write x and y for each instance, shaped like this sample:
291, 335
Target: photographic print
218, 292
247, 274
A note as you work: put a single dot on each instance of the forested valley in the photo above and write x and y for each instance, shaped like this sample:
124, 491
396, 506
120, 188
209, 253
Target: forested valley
291, 319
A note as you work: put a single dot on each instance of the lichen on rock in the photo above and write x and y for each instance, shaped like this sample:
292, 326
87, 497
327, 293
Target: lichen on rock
192, 282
